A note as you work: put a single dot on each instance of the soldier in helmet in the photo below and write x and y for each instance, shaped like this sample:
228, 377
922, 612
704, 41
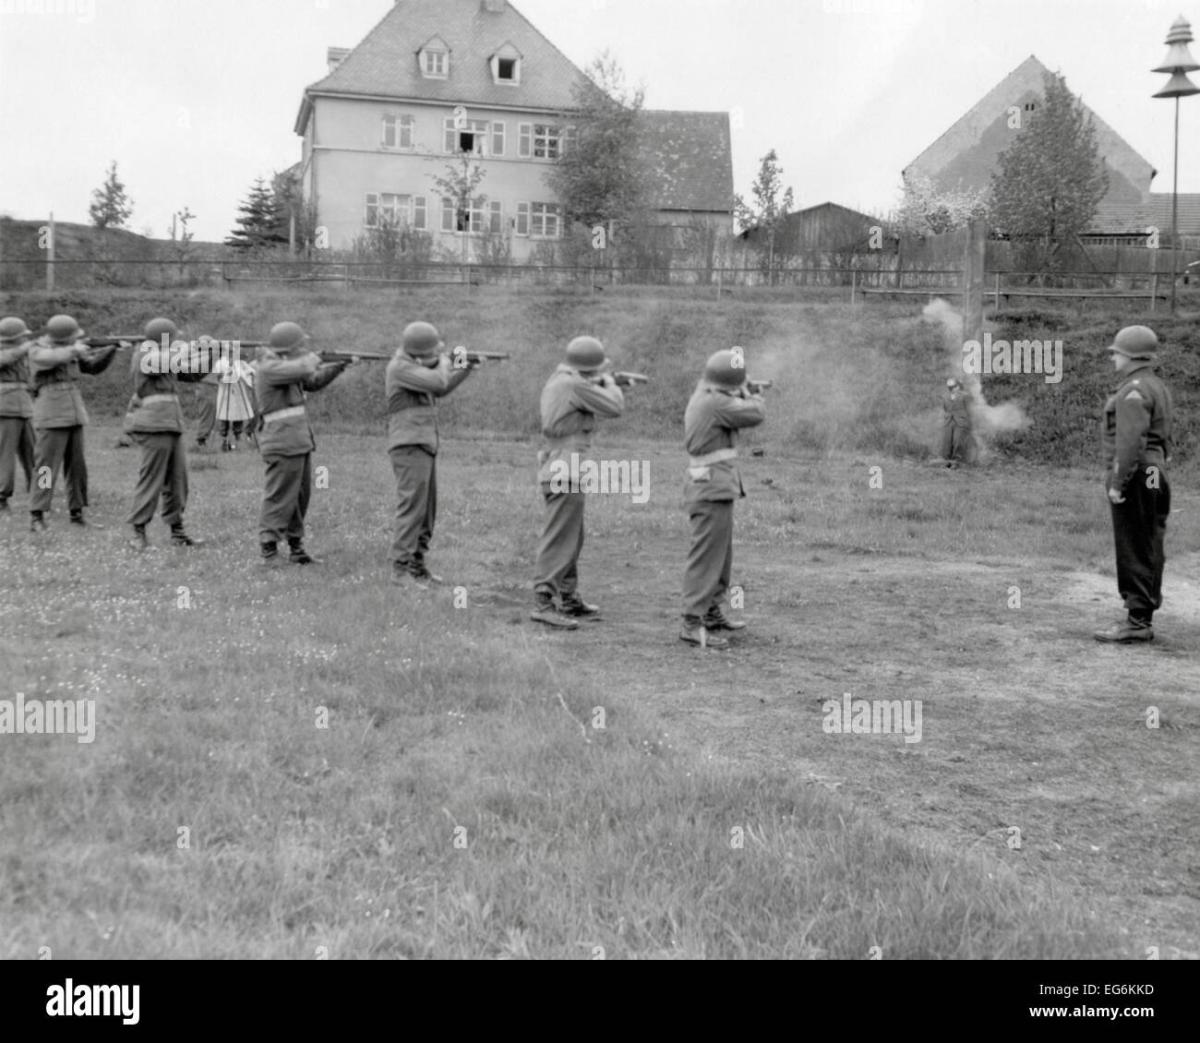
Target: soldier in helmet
958, 446
286, 370
574, 398
16, 408
1136, 439
59, 415
418, 375
721, 405
155, 422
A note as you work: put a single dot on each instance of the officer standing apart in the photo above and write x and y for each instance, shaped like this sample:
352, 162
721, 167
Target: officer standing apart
572, 399
958, 447
1137, 438
59, 415
286, 370
16, 408
721, 405
418, 375
155, 422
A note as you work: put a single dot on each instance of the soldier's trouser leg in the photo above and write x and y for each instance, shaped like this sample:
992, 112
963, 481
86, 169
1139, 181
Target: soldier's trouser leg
49, 453
12, 428
947, 442
25, 453
1139, 531
163, 472
285, 497
416, 507
557, 570
208, 414
710, 560
75, 471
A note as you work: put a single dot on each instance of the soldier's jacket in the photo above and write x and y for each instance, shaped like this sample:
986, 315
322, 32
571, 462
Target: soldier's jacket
280, 386
55, 368
412, 394
15, 400
956, 407
1136, 431
710, 425
155, 406
570, 405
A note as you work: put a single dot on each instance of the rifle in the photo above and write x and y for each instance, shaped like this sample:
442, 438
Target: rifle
630, 379
350, 356
111, 340
757, 387
463, 358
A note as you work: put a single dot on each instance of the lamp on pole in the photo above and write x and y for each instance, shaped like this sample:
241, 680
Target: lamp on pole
1178, 62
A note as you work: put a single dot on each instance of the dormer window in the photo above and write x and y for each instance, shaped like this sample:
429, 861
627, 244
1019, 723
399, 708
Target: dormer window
506, 65
435, 59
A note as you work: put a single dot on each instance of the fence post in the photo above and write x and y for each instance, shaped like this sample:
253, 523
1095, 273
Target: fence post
976, 248
853, 283
50, 257
720, 273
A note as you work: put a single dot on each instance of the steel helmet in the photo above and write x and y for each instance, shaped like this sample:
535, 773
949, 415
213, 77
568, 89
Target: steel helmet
721, 369
155, 329
1136, 342
585, 353
287, 335
953, 382
12, 329
421, 340
63, 329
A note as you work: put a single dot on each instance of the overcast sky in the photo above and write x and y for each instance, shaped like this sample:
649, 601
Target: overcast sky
194, 98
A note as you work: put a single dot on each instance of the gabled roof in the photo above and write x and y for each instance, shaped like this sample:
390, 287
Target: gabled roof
966, 155
385, 64
688, 160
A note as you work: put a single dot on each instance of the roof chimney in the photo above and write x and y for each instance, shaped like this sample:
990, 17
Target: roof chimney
335, 56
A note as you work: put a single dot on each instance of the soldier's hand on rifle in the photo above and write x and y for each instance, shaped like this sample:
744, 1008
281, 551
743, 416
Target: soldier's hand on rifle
1115, 496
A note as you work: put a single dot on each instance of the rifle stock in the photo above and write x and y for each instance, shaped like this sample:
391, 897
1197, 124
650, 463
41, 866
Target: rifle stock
350, 356
625, 380
757, 387
463, 357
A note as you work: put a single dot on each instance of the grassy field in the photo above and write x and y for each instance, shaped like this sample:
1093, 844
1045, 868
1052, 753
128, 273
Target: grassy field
311, 762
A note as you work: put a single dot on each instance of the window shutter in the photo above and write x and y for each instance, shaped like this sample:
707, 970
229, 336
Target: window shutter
498, 138
450, 137
447, 215
419, 213
407, 124
387, 131
371, 217
496, 218
522, 219
525, 145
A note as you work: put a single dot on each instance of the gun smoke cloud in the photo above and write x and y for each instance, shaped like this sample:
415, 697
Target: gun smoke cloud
988, 420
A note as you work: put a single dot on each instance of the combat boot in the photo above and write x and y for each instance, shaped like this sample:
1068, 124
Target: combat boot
299, 556
1126, 632
545, 612
181, 539
715, 619
694, 634
270, 557
5, 510
37, 522
573, 605
138, 541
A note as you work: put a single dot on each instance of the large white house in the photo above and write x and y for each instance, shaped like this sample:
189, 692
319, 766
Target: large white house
439, 78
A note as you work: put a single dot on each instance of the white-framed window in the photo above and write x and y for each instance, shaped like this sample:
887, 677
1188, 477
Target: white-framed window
525, 140
547, 141
471, 221
398, 131
544, 220
498, 132
435, 63
495, 217
522, 219
506, 69
471, 138
393, 210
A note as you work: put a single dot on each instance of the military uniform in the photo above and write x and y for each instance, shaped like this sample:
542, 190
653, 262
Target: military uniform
713, 418
1136, 443
206, 394
59, 417
570, 406
413, 391
16, 409
957, 444
155, 422
286, 442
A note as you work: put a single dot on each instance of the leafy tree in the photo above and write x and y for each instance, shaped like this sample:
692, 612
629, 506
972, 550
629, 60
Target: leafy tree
599, 177
258, 225
927, 209
110, 206
1050, 179
768, 211
458, 184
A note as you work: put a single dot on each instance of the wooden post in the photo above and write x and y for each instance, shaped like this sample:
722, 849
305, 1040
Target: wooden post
973, 263
720, 273
853, 283
50, 257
